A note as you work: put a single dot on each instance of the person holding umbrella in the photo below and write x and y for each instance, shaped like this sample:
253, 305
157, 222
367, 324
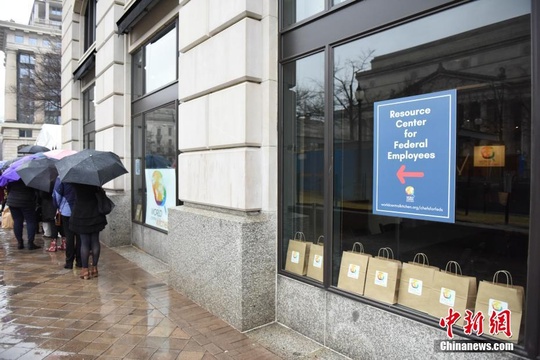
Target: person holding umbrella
88, 170
22, 201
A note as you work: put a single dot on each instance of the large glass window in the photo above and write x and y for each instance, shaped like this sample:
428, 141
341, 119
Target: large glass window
89, 118
303, 148
89, 24
154, 145
298, 10
486, 58
151, 59
26, 106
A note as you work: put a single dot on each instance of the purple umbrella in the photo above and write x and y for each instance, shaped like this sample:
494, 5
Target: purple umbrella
10, 174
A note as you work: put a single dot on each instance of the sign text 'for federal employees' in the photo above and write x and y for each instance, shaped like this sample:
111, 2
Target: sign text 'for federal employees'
414, 157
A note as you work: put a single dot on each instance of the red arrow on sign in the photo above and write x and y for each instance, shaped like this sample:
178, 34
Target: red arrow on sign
401, 174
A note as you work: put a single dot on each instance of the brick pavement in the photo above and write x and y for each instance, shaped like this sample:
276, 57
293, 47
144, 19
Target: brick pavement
47, 312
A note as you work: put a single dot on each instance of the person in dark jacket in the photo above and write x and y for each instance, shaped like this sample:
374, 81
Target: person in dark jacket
87, 221
22, 201
64, 200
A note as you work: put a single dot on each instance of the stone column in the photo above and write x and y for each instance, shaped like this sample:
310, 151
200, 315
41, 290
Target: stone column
222, 241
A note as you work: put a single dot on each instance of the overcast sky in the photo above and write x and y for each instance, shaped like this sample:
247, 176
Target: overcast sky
19, 11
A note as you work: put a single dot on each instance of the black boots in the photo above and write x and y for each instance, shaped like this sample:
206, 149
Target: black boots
32, 246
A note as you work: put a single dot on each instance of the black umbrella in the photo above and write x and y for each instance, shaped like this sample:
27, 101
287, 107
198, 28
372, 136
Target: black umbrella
39, 173
32, 149
91, 167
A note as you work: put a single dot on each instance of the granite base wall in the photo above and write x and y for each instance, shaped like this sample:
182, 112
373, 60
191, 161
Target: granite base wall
225, 261
118, 230
359, 330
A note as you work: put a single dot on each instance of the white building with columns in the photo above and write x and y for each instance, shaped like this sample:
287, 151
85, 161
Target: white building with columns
188, 90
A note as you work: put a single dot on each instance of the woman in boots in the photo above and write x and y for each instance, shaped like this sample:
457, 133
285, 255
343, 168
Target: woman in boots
87, 221
50, 229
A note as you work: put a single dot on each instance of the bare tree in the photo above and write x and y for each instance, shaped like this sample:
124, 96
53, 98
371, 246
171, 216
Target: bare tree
39, 85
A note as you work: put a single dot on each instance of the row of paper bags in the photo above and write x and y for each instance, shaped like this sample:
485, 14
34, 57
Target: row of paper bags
414, 284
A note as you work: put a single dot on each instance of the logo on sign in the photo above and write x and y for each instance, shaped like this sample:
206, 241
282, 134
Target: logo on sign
409, 192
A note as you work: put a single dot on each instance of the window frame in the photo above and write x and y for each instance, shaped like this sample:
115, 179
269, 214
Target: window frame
145, 103
322, 32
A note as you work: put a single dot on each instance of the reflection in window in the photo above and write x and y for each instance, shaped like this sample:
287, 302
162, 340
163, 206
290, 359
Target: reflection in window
303, 148
493, 83
89, 118
298, 10
151, 59
154, 148
89, 24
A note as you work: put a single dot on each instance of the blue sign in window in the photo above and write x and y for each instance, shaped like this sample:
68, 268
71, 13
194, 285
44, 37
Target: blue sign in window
414, 158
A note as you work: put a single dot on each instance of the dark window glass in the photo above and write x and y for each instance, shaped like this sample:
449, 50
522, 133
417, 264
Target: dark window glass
486, 57
303, 149
89, 24
298, 10
89, 118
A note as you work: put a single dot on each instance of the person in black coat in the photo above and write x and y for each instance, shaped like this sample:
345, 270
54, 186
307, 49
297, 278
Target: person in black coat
22, 201
87, 221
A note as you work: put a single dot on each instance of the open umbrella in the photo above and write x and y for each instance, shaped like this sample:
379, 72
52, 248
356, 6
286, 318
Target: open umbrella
32, 149
91, 167
10, 174
39, 173
59, 153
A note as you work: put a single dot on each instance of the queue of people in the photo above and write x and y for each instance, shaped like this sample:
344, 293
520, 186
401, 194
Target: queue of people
66, 187
81, 221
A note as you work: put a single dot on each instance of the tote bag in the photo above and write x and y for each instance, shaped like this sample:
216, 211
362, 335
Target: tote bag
415, 281
453, 290
315, 262
494, 297
353, 269
297, 254
382, 279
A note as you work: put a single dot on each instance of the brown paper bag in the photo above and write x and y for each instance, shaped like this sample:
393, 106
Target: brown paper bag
315, 262
297, 254
382, 279
7, 219
353, 269
415, 281
453, 290
496, 297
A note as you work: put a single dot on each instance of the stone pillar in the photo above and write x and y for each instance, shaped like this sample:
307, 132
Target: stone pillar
110, 115
222, 241
10, 99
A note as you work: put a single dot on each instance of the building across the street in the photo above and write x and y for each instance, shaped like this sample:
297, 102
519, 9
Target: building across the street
363, 172
27, 49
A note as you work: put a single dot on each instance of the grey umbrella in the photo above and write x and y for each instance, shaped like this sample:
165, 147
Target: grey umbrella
32, 149
39, 173
91, 167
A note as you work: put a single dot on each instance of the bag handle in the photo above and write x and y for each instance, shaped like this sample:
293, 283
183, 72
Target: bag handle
457, 268
360, 246
300, 237
509, 281
319, 239
421, 257
386, 253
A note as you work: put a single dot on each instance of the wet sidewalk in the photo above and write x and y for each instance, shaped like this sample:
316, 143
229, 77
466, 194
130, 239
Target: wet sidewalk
47, 312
